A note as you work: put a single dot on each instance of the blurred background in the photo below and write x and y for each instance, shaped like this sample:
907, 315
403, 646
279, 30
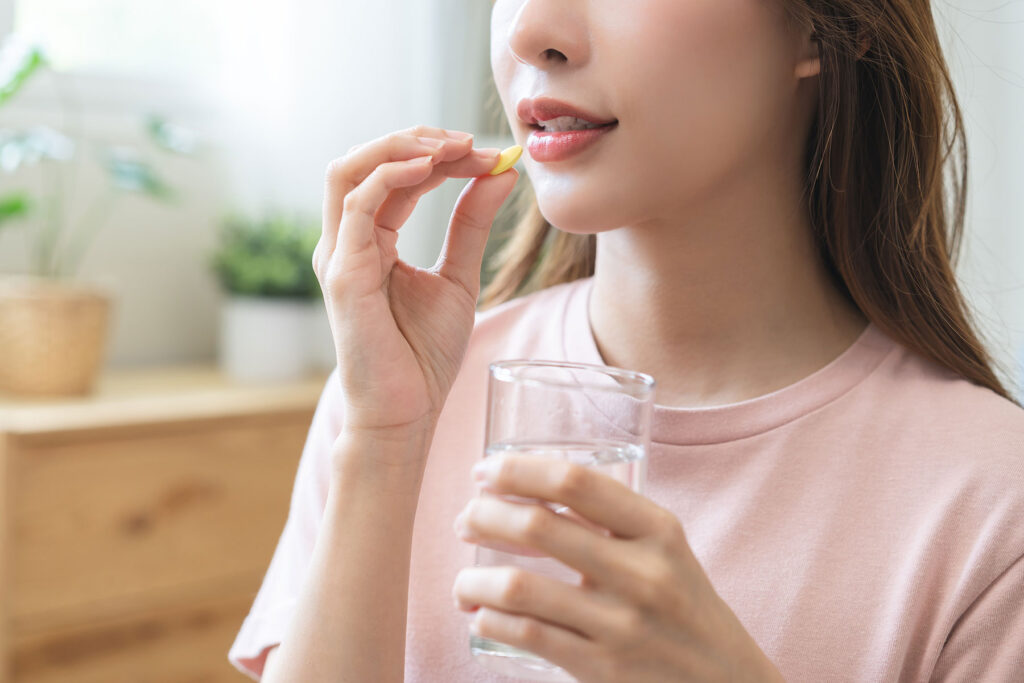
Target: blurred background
163, 337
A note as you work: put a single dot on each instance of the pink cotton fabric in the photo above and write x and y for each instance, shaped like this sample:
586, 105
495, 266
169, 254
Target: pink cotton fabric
865, 523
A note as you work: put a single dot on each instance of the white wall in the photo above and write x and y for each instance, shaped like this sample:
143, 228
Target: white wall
304, 82
984, 42
308, 79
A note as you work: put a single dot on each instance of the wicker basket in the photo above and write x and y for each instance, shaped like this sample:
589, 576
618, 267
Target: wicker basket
52, 336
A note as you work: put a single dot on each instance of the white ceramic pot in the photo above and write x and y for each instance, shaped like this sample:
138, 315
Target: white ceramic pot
265, 339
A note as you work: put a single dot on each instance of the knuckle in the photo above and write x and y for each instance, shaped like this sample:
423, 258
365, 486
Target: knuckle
468, 219
633, 627
515, 592
647, 594
668, 528
353, 204
528, 631
536, 524
506, 471
335, 169
572, 482
655, 581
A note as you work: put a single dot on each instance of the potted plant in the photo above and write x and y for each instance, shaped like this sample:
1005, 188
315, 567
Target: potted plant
54, 327
273, 322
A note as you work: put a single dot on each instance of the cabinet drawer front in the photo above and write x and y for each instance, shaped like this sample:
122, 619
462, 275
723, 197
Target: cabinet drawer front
100, 526
189, 643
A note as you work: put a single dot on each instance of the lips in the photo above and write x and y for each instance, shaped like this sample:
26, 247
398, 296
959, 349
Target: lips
549, 147
532, 111
542, 129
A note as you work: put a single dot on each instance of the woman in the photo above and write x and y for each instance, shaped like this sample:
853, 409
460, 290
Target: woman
835, 474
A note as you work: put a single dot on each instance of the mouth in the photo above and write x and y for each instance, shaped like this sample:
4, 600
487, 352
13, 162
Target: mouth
550, 146
540, 129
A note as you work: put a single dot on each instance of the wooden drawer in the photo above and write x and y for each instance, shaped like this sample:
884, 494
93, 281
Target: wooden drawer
107, 526
187, 644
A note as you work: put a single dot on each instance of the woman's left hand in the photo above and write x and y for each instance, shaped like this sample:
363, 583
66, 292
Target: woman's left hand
644, 610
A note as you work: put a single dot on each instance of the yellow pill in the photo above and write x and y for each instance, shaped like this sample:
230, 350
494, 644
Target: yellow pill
508, 159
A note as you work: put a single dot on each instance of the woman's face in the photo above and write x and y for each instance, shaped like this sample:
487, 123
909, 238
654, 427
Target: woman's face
703, 90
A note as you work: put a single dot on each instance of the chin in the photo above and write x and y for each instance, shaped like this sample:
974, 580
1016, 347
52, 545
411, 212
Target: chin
572, 218
574, 204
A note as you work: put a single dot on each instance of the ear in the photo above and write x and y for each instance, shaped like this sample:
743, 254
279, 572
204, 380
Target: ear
809, 62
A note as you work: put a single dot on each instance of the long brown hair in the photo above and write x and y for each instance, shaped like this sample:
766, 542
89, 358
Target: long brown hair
887, 218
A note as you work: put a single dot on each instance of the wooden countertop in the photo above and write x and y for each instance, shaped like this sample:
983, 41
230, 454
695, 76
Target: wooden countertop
177, 393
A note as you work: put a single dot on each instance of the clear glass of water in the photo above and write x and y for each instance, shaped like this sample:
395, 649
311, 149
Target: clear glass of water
595, 415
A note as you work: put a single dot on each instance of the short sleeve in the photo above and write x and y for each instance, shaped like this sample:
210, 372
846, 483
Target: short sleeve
268, 617
987, 642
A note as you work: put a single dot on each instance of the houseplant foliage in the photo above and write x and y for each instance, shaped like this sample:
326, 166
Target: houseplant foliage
53, 329
270, 322
269, 257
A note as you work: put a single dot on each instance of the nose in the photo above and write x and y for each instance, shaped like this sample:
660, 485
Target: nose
547, 33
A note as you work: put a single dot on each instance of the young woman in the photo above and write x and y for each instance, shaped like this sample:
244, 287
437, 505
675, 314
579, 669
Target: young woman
835, 480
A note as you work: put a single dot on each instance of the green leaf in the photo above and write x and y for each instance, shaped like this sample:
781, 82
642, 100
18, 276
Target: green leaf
135, 175
21, 148
13, 206
18, 62
268, 257
171, 136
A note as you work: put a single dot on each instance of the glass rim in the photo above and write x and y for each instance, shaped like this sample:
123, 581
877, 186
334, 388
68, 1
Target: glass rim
502, 370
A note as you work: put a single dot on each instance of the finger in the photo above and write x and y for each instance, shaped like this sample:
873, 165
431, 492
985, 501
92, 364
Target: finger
518, 591
594, 495
400, 204
537, 527
510, 548
557, 645
358, 221
347, 172
462, 254
516, 549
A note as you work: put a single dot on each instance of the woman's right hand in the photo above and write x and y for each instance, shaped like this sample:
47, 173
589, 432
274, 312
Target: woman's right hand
400, 331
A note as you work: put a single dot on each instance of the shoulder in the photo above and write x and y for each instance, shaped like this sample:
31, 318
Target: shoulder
963, 443
966, 414
943, 456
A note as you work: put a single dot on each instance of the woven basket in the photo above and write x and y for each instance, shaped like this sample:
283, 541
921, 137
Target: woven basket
52, 336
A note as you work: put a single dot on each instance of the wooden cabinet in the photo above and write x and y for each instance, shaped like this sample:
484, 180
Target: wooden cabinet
137, 523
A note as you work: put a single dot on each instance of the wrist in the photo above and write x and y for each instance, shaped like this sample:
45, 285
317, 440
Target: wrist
385, 460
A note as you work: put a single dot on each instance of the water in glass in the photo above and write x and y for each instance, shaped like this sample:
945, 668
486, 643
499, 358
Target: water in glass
623, 461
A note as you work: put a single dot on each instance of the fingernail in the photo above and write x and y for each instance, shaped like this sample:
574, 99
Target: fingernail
487, 152
432, 142
454, 135
486, 468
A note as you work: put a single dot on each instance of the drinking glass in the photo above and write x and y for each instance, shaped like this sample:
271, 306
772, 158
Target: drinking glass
594, 415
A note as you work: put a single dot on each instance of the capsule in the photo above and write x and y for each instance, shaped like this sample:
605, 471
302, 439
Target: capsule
507, 160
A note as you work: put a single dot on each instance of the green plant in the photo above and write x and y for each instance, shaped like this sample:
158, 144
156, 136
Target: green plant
268, 257
126, 167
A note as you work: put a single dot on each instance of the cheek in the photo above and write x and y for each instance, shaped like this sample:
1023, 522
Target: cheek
707, 80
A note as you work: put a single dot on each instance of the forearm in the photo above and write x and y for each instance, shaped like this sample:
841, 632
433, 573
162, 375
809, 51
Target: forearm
349, 624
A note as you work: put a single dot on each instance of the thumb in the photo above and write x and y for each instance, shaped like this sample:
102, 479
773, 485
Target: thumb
463, 252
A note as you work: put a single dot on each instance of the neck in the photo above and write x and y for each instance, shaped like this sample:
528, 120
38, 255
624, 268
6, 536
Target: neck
730, 303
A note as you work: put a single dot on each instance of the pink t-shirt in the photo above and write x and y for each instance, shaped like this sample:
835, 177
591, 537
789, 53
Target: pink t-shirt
865, 523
